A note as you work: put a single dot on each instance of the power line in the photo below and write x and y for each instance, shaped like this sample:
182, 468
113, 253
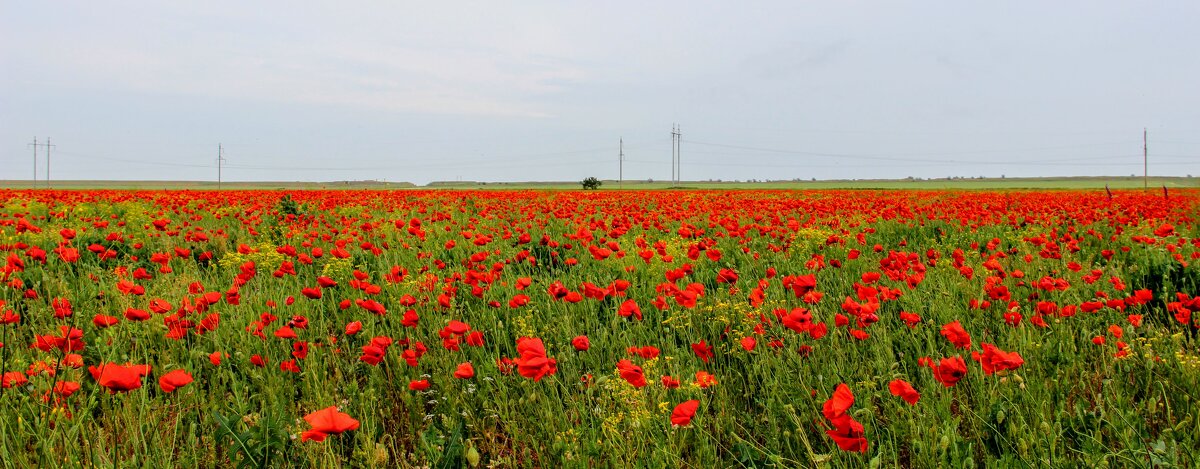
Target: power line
809, 165
895, 156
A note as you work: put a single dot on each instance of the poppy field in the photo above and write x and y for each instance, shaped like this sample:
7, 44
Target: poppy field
596, 329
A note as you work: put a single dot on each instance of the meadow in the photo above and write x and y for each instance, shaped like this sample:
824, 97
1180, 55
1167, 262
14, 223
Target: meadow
683, 328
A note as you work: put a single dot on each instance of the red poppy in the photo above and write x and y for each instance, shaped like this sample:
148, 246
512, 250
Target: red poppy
682, 415
65, 388
648, 352
102, 321
475, 339
949, 371
119, 378
327, 421
994, 359
958, 336
173, 380
848, 435
631, 373
418, 385
312, 293
630, 308
702, 350
581, 343
13, 378
533, 362
134, 314
410, 319
289, 366
904, 390
70, 340
837, 404
464, 371
372, 354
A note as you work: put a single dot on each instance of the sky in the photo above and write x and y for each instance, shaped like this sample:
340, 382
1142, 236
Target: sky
547, 90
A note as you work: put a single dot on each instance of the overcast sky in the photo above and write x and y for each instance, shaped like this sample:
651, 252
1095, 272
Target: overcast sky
515, 91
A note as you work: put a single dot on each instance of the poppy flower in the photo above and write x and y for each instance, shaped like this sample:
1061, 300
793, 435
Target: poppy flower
533, 362
65, 388
119, 378
456, 327
475, 339
705, 379
798, 320
682, 415
418, 385
837, 404
372, 354
702, 350
631, 373
325, 422
134, 314
994, 359
102, 321
289, 366
904, 390
648, 352
949, 371
8, 317
581, 343
173, 380
410, 319
958, 336
464, 371
848, 435
630, 308
13, 378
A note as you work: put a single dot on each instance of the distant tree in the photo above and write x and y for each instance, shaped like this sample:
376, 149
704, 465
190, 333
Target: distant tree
591, 183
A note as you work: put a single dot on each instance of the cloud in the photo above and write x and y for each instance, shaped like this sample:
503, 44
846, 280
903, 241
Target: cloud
787, 61
471, 82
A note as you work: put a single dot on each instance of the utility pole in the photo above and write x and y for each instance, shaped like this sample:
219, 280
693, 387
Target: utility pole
678, 156
220, 161
1145, 161
674, 152
48, 147
34, 145
621, 164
